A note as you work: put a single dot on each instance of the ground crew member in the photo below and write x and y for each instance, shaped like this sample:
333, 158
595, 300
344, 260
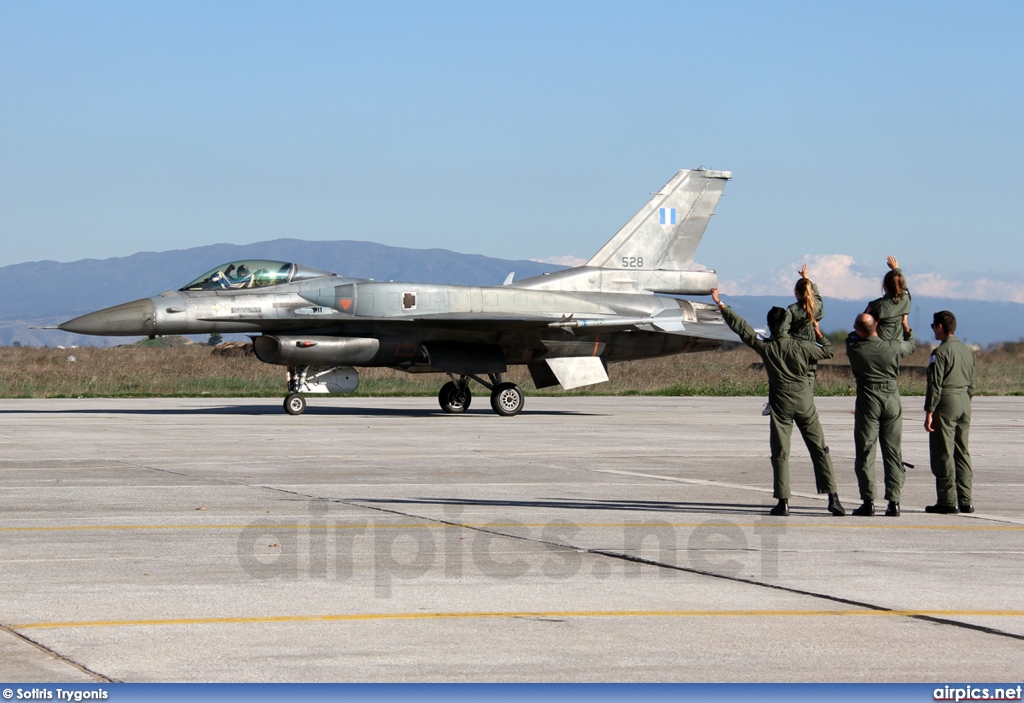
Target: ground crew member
891, 311
879, 413
791, 399
947, 408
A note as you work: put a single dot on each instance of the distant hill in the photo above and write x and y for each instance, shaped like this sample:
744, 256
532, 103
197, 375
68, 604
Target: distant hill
978, 321
49, 292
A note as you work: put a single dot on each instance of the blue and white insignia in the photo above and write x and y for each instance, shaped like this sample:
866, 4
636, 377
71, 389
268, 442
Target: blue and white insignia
667, 215
931, 359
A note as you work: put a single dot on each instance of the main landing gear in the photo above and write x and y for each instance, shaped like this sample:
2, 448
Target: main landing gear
454, 396
506, 398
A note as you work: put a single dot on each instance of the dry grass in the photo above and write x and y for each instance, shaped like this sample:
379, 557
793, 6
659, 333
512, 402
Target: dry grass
193, 371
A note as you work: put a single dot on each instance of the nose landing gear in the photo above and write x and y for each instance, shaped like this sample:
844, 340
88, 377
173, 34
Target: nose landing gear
294, 404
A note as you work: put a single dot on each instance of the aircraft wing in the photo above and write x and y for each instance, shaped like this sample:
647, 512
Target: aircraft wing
667, 324
706, 330
473, 317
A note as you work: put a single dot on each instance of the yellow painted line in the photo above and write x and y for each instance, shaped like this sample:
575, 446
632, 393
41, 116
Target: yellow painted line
299, 524
354, 617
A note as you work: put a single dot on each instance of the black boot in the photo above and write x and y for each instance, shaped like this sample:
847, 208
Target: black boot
893, 510
834, 506
781, 509
867, 509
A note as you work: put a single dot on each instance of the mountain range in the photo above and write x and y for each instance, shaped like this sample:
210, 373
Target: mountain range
49, 292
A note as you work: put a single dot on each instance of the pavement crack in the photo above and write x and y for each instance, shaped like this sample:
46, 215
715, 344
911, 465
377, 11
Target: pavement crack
701, 572
626, 557
56, 655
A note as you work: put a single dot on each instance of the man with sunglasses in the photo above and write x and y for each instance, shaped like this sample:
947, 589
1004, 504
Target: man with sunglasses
947, 407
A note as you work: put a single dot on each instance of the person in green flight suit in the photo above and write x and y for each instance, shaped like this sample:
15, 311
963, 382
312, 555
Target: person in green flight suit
891, 311
878, 414
947, 418
786, 359
800, 316
808, 306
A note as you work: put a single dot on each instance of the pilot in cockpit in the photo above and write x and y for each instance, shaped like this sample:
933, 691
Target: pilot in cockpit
243, 278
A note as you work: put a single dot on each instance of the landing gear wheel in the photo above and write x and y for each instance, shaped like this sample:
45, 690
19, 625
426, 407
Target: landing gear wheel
294, 404
454, 398
507, 399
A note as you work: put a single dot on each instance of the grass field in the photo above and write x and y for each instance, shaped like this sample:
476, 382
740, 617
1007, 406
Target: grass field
187, 371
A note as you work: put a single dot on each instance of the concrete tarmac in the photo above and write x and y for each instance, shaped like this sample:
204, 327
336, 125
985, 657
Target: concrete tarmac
587, 539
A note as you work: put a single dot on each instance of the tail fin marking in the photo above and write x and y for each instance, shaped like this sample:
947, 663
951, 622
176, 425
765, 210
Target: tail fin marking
665, 233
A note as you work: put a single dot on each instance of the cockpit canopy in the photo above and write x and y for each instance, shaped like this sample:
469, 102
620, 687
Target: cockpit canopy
252, 273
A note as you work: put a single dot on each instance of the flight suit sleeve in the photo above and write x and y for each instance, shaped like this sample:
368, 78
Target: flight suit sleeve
936, 373
900, 272
822, 350
740, 326
908, 345
819, 304
974, 369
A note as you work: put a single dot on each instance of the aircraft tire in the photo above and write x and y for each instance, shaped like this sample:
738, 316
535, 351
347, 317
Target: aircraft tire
294, 404
507, 399
454, 399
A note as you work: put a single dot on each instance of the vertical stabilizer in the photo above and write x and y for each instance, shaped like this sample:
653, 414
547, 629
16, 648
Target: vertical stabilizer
665, 233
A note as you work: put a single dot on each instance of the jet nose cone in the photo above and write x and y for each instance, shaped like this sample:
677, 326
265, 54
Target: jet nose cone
135, 318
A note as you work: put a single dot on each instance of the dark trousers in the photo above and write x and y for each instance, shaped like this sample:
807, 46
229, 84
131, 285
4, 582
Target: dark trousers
878, 419
947, 445
796, 406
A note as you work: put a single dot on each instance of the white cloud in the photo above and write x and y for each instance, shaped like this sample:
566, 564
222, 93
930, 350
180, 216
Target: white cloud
839, 276
973, 288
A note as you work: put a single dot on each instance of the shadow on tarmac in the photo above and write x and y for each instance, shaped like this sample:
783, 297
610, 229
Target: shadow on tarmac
277, 410
630, 505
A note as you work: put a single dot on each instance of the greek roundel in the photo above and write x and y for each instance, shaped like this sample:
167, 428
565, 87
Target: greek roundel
667, 215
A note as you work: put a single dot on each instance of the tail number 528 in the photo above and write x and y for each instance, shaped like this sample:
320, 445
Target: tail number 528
632, 262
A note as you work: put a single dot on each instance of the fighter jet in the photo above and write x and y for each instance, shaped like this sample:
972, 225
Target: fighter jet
566, 326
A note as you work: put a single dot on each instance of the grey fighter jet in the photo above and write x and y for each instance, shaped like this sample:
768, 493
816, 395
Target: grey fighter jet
566, 327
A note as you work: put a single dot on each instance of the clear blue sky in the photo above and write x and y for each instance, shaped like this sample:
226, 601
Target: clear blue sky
517, 130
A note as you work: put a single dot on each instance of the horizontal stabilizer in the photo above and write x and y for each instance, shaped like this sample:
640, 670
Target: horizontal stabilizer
575, 371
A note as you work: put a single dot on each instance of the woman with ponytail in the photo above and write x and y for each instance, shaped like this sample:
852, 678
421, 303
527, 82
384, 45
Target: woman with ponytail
808, 307
801, 316
891, 311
